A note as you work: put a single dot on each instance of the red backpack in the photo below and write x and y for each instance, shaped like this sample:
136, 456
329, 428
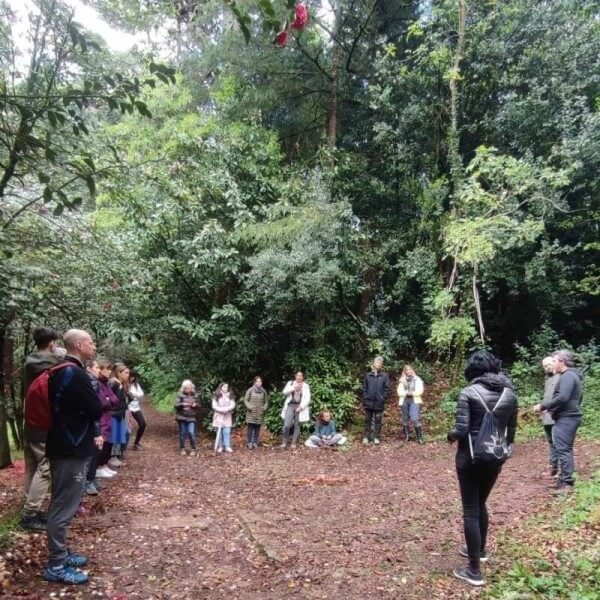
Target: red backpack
38, 412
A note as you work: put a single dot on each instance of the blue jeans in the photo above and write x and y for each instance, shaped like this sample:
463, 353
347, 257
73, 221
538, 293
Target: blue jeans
411, 412
225, 438
187, 429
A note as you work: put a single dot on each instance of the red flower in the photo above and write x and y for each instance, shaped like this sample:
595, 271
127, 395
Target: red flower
301, 14
281, 38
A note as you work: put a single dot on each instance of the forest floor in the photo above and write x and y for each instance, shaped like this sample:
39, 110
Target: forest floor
362, 523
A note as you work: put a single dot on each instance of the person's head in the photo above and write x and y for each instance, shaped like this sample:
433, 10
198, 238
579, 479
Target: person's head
408, 371
548, 365
45, 338
480, 363
299, 377
562, 360
121, 374
133, 377
93, 368
187, 387
224, 388
378, 363
258, 382
79, 343
104, 368
325, 416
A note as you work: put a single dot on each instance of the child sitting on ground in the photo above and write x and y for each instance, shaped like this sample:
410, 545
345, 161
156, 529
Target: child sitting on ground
186, 409
325, 435
223, 405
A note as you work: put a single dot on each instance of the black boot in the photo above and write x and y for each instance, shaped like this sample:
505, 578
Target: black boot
406, 433
419, 432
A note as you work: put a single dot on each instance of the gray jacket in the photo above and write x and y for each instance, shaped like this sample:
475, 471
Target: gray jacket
566, 399
549, 387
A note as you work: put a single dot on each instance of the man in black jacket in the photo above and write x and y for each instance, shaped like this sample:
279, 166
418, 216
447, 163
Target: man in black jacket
37, 470
375, 393
565, 408
69, 448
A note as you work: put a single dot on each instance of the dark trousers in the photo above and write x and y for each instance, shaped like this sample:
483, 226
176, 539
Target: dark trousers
552, 449
373, 420
138, 415
104, 455
291, 423
93, 465
563, 436
68, 481
253, 433
475, 484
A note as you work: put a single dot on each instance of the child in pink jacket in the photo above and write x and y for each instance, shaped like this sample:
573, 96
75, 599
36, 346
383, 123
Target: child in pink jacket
223, 406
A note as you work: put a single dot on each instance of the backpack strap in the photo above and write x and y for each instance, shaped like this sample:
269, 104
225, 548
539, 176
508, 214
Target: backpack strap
480, 397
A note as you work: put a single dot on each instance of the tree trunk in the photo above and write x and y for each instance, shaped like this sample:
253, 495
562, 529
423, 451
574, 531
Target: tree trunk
5, 457
332, 114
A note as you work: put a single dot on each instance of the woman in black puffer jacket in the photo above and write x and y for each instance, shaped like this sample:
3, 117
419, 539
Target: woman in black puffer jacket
476, 481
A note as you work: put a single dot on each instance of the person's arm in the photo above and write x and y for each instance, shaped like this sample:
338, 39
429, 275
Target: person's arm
247, 399
289, 388
220, 409
266, 401
419, 387
562, 393
387, 391
511, 428
401, 392
87, 400
305, 396
365, 388
462, 423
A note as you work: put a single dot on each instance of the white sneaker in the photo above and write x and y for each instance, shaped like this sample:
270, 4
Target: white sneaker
228, 449
219, 450
105, 473
111, 470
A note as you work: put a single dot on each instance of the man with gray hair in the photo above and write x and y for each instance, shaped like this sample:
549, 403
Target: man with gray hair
547, 420
565, 408
69, 448
376, 392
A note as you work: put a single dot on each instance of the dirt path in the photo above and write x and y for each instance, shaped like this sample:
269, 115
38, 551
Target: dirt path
271, 524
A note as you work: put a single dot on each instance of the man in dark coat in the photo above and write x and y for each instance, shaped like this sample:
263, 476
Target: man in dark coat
375, 394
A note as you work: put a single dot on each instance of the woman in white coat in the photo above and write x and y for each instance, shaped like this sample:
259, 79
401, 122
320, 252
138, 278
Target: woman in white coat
295, 409
410, 398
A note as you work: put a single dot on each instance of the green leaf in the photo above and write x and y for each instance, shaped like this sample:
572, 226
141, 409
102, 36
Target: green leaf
90, 163
59, 209
91, 183
47, 194
43, 178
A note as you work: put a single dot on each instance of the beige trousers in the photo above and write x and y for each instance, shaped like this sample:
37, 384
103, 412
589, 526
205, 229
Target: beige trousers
37, 477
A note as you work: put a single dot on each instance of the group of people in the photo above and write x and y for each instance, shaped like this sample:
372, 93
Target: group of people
93, 403
91, 408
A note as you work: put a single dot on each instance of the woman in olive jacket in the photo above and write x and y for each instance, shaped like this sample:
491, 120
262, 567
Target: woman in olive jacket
256, 402
486, 385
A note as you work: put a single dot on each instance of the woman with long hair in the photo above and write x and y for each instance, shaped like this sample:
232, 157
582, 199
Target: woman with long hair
487, 390
119, 433
136, 394
410, 398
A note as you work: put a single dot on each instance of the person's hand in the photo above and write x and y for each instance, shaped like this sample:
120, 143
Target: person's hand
99, 442
537, 408
450, 438
298, 409
194, 405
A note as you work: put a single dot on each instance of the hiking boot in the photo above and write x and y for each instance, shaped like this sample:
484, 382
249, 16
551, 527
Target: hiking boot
366, 441
115, 462
406, 433
562, 490
472, 578
65, 574
483, 557
419, 433
551, 472
33, 523
76, 560
376, 441
183, 452
90, 490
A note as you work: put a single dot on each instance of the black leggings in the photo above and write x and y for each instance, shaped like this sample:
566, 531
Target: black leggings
138, 415
104, 455
475, 483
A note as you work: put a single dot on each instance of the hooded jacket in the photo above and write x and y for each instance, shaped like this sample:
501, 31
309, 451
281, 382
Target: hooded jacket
567, 396
110, 401
470, 411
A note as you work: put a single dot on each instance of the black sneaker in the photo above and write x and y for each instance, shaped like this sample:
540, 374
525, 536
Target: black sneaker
483, 557
465, 574
33, 523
